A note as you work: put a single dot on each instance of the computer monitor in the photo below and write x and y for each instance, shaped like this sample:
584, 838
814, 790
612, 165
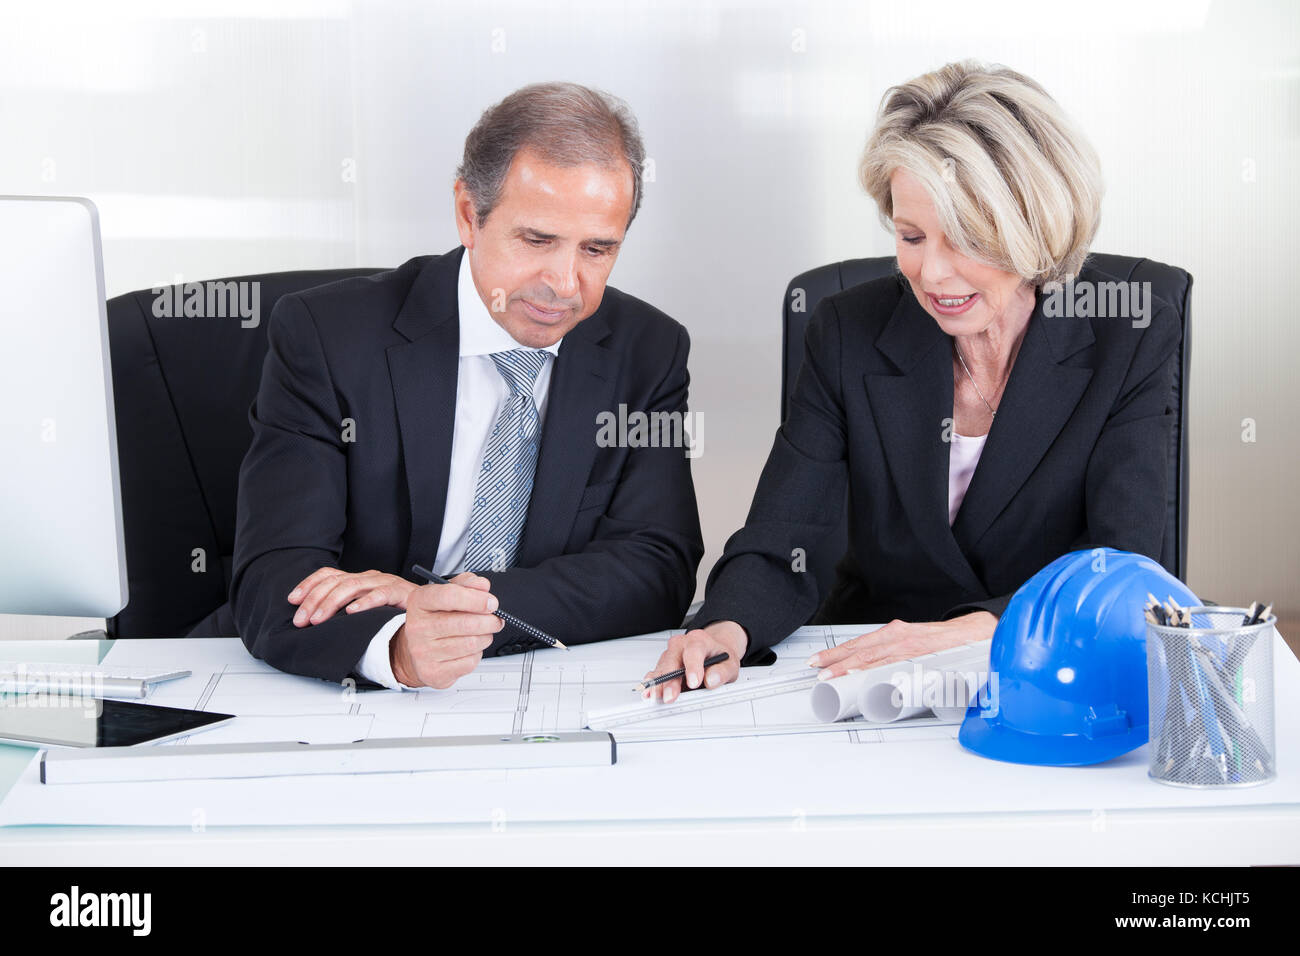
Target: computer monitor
61, 543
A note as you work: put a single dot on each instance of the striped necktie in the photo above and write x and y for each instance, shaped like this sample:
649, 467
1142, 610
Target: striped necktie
505, 479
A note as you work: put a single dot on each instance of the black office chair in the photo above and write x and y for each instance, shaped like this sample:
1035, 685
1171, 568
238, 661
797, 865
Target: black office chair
1169, 283
182, 388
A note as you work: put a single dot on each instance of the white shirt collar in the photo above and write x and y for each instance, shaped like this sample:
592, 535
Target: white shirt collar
480, 334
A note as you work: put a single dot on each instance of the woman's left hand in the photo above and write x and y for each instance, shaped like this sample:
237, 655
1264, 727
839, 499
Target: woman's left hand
900, 641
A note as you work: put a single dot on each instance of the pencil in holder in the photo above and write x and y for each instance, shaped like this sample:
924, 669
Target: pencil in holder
1210, 690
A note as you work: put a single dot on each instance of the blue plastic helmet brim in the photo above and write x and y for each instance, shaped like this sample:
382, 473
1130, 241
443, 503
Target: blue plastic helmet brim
999, 742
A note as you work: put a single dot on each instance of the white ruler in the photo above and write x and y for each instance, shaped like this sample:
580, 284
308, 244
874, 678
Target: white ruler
392, 755
81, 680
696, 700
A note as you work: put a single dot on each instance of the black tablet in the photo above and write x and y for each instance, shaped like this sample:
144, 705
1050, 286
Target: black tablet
47, 720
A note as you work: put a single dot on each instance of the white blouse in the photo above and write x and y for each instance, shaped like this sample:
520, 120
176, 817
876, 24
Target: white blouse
963, 456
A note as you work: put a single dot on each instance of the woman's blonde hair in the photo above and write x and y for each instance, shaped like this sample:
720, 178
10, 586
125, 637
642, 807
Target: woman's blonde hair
1014, 183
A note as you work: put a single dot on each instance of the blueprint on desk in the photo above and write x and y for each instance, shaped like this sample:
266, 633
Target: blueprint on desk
544, 690
729, 764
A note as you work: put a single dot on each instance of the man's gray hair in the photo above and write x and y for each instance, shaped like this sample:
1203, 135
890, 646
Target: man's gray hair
564, 123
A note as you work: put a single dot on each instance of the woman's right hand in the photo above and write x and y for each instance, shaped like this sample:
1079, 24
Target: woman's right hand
690, 650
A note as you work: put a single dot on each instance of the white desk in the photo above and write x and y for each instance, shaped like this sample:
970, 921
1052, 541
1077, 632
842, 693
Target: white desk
885, 803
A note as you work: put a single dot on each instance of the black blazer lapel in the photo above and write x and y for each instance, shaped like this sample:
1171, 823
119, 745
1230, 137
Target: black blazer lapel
1040, 396
910, 411
582, 386
424, 371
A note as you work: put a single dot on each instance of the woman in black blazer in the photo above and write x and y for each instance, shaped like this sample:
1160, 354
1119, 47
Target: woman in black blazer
984, 426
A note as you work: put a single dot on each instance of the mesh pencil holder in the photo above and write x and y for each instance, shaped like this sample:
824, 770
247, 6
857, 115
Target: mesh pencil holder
1210, 690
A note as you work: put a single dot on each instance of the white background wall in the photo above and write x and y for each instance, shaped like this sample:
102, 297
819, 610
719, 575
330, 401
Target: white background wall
240, 136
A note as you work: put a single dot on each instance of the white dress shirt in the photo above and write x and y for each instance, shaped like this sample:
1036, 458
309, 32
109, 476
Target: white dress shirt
963, 456
481, 392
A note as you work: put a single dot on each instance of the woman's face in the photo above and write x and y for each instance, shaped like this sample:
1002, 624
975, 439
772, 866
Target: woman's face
964, 296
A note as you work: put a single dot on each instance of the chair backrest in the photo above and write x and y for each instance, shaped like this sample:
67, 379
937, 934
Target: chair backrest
1169, 283
182, 387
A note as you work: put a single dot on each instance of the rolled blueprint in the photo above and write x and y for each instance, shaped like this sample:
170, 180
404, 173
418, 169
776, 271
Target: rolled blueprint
837, 699
894, 699
945, 682
946, 692
965, 691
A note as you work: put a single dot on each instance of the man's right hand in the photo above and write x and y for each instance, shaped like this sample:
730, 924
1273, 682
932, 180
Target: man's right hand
447, 629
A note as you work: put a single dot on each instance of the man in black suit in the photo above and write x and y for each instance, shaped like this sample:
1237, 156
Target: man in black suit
446, 413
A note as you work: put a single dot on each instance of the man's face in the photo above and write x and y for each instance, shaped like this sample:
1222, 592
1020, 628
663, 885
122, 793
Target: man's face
542, 258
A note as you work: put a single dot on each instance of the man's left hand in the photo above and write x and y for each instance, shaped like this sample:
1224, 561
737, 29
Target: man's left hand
325, 590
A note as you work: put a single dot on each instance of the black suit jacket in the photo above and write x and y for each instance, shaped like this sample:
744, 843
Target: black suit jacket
1076, 458
612, 540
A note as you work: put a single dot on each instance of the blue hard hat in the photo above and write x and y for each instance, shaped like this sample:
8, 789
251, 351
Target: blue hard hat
1067, 668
